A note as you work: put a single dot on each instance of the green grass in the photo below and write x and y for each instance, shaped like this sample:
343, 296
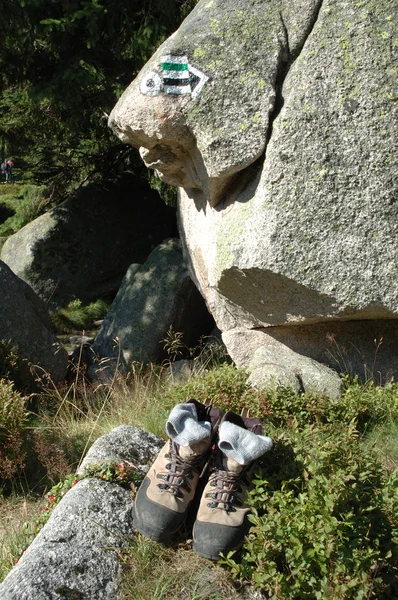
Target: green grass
26, 202
77, 316
160, 573
325, 501
14, 513
383, 440
9, 190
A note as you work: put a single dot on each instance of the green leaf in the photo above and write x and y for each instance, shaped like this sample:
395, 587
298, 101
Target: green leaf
51, 22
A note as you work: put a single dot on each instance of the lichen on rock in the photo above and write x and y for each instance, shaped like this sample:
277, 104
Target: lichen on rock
287, 162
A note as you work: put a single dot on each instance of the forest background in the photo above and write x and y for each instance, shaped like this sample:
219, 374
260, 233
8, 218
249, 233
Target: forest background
63, 65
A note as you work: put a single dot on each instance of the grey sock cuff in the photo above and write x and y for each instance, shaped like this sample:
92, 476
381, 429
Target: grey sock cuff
183, 426
241, 445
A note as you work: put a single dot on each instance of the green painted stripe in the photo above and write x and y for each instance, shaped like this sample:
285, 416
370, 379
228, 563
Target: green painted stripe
174, 66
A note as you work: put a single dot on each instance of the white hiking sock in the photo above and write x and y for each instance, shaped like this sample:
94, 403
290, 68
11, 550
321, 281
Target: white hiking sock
241, 445
183, 426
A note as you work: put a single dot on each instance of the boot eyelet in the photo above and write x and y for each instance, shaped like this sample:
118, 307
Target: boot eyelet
163, 486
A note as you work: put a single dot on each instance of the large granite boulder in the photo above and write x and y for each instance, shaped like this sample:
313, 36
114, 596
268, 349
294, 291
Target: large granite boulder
24, 322
76, 554
83, 247
152, 298
278, 120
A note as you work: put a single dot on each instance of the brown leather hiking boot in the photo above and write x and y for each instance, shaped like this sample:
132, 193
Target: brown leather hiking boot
168, 489
221, 522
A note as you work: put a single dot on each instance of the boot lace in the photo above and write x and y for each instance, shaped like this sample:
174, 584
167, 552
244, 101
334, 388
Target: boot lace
179, 471
227, 484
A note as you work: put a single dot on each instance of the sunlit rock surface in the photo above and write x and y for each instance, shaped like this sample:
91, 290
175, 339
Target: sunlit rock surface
286, 159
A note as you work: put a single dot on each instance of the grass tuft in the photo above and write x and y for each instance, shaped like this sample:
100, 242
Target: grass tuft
160, 573
14, 513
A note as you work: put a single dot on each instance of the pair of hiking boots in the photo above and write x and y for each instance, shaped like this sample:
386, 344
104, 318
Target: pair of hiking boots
201, 442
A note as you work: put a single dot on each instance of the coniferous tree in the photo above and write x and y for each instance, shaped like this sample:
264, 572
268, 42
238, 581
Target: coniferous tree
63, 64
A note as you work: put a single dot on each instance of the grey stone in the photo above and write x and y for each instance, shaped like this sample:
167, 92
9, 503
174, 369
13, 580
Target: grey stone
271, 362
279, 365
368, 349
312, 237
266, 374
157, 296
286, 162
25, 323
127, 443
74, 557
83, 247
180, 371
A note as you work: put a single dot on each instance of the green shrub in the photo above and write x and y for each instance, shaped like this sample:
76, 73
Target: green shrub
167, 192
77, 316
51, 456
122, 472
225, 385
325, 520
13, 420
369, 404
384, 439
366, 404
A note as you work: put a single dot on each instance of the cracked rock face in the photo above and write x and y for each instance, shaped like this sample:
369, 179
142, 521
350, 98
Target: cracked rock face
278, 121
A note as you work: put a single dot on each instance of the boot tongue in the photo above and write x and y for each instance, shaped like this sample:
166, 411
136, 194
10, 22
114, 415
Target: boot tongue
229, 464
194, 449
